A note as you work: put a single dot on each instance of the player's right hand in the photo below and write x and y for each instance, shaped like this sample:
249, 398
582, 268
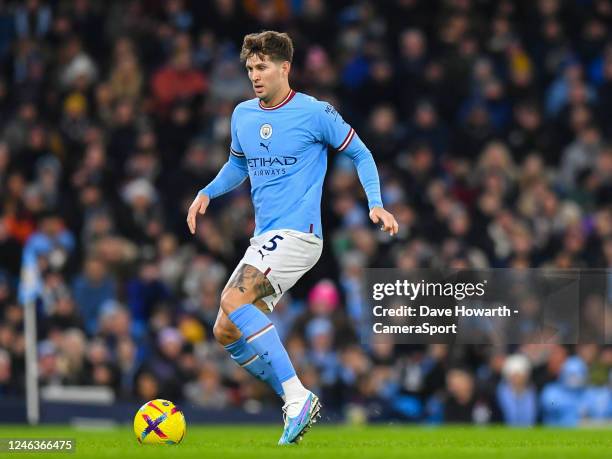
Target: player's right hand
199, 205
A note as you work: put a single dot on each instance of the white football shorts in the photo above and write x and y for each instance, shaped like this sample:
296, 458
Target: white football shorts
284, 256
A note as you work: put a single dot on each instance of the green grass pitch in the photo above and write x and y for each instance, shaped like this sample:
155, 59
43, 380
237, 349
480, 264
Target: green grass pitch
332, 442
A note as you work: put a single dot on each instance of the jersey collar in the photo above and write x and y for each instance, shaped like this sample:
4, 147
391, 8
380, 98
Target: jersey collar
285, 101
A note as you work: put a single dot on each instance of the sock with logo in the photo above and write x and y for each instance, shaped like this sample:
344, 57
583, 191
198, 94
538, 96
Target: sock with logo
262, 336
245, 356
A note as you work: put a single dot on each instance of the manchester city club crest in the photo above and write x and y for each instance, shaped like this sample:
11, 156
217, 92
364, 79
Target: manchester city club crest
265, 131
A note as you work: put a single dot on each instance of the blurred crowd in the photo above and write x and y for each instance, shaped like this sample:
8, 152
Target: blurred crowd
491, 125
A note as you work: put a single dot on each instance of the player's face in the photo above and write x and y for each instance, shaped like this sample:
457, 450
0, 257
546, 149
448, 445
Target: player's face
267, 76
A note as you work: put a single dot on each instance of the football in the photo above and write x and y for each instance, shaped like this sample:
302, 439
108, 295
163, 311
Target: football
159, 422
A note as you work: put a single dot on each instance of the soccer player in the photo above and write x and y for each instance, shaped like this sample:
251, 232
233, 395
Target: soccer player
279, 140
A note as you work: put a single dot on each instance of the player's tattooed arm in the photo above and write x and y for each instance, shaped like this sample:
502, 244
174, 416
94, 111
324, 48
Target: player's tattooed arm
250, 279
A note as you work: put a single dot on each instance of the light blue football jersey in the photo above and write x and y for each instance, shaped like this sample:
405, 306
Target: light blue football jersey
283, 151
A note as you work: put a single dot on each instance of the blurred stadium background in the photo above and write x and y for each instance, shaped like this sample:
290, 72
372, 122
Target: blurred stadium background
490, 122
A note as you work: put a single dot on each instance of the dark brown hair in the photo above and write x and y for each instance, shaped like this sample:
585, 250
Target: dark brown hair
276, 45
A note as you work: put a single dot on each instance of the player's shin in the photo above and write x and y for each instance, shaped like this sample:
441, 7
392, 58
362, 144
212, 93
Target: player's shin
262, 336
245, 356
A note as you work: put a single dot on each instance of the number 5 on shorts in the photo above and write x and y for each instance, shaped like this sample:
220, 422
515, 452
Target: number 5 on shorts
273, 242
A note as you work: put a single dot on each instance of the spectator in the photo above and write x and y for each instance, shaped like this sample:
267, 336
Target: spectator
580, 156
165, 366
515, 395
464, 404
207, 391
563, 401
178, 81
92, 288
147, 387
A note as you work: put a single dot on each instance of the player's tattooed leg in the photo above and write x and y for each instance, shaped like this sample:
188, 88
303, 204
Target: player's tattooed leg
249, 279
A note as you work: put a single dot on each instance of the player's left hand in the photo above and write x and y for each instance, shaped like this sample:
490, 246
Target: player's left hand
387, 220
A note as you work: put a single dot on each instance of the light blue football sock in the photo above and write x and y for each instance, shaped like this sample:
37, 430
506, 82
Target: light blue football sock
245, 356
260, 333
